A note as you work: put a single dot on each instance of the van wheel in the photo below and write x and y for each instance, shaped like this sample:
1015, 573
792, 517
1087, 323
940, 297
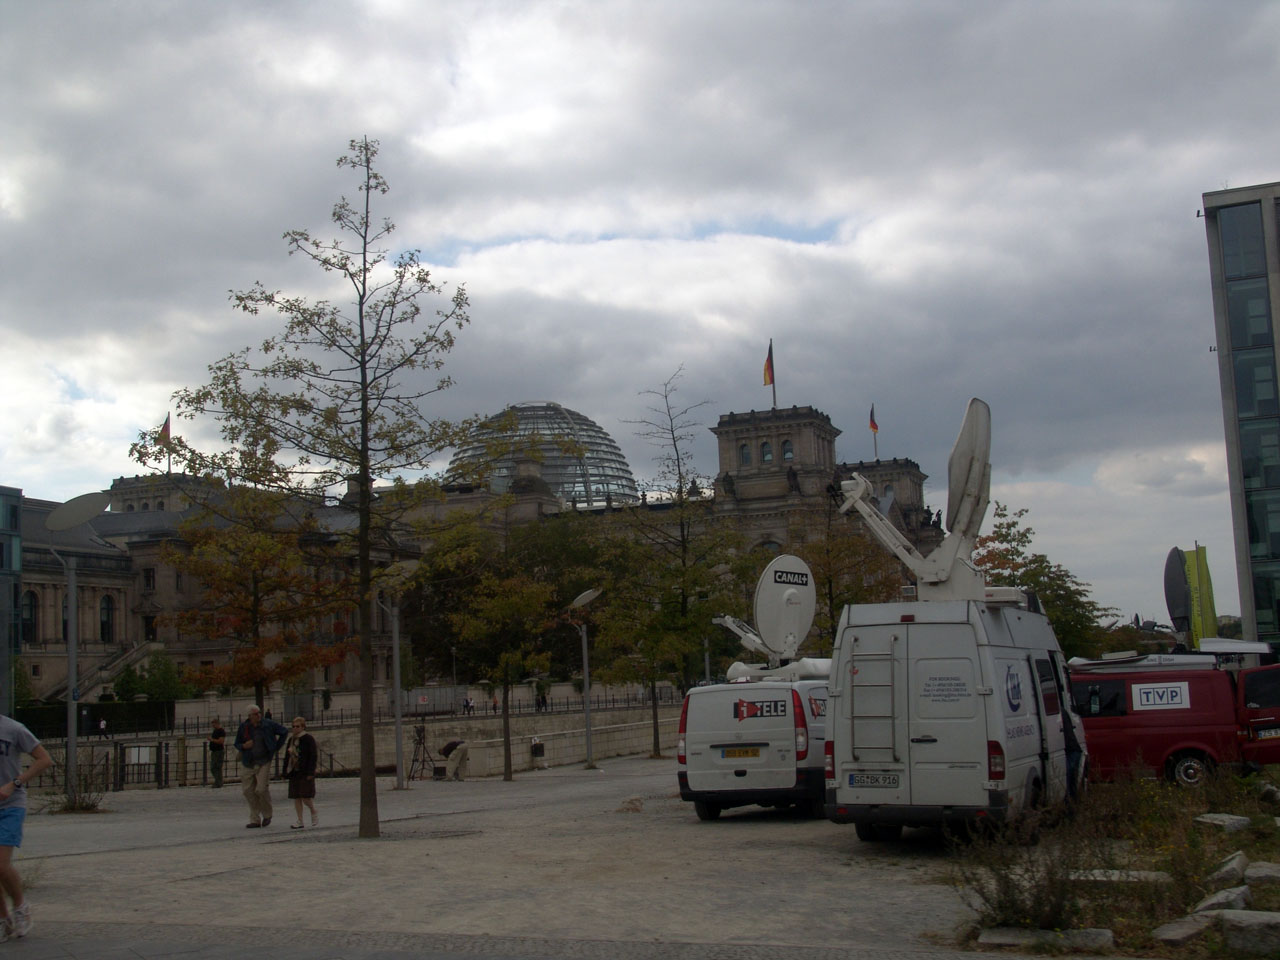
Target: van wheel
1189, 769
877, 832
706, 811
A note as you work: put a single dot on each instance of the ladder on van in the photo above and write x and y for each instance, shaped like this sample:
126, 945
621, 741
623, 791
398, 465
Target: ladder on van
871, 703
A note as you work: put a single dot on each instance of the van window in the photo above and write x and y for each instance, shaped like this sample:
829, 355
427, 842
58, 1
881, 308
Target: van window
1048, 688
1098, 698
1262, 690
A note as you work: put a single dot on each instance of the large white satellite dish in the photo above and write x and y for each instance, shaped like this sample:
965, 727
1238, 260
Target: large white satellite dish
77, 511
785, 603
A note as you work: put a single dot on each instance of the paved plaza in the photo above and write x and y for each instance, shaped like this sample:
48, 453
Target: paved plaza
566, 862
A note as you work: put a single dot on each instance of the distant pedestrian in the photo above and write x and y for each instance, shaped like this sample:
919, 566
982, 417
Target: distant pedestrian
300, 758
102, 729
258, 739
217, 753
495, 703
15, 740
455, 752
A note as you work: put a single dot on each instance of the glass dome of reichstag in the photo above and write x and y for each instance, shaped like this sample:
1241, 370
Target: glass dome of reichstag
596, 470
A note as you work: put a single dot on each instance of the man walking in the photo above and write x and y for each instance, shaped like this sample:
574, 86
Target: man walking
258, 740
15, 740
217, 755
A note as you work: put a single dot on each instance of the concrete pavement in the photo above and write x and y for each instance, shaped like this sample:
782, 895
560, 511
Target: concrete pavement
564, 862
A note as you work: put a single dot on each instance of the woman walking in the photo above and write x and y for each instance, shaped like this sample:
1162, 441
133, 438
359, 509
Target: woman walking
300, 757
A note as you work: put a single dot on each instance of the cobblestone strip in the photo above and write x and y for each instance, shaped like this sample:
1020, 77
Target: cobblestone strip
85, 941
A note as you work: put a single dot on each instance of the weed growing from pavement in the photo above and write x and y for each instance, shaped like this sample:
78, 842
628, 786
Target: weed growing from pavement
1036, 874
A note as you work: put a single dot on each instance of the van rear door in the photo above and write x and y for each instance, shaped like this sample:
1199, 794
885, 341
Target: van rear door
741, 737
947, 728
1258, 708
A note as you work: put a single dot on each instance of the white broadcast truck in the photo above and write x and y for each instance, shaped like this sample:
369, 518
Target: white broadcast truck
953, 708
758, 738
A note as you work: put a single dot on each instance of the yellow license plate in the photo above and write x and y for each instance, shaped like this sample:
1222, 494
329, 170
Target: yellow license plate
739, 753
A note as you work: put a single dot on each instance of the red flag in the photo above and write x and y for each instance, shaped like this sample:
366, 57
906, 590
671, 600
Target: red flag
874, 427
164, 431
768, 366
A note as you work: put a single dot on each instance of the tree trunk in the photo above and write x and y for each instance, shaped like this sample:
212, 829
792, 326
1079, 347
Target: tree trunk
368, 760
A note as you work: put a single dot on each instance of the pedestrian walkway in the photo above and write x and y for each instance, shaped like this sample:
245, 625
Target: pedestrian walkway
566, 862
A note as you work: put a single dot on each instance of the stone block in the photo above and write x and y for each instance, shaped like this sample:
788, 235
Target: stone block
1232, 898
1090, 939
1121, 876
1229, 822
1230, 872
1251, 932
1185, 929
1262, 873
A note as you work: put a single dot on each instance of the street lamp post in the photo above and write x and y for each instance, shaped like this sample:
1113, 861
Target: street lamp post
581, 601
399, 570
71, 514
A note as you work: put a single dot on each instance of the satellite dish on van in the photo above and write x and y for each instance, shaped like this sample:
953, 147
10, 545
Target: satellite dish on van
785, 604
77, 511
969, 472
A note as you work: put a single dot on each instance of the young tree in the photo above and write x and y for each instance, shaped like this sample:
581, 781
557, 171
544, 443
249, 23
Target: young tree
669, 562
336, 397
1005, 557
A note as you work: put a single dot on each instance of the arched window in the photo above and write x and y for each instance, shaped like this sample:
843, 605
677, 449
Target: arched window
30, 616
766, 452
787, 452
159, 504
128, 508
145, 505
107, 620
744, 456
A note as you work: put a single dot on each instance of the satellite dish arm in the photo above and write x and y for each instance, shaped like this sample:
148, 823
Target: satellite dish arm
746, 635
857, 496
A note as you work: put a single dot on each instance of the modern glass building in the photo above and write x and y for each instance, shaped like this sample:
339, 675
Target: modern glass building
579, 460
1244, 265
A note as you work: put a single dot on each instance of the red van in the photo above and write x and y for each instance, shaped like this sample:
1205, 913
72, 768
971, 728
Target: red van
1179, 715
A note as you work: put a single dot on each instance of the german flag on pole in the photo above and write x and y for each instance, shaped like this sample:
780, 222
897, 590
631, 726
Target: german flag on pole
768, 366
874, 427
164, 430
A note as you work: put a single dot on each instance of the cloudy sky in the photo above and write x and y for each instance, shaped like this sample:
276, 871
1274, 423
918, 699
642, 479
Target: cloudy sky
918, 203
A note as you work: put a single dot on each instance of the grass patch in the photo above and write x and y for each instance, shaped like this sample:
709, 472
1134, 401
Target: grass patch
1042, 873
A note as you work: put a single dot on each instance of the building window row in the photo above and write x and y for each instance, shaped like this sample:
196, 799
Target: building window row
766, 453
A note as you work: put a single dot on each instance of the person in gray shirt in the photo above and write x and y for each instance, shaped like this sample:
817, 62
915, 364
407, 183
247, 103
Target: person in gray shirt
15, 740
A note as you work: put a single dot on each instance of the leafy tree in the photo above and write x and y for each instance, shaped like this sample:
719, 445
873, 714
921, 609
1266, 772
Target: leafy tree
23, 691
502, 626
163, 680
336, 397
128, 683
1005, 557
270, 580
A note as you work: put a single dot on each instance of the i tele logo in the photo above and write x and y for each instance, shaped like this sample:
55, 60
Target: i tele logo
747, 709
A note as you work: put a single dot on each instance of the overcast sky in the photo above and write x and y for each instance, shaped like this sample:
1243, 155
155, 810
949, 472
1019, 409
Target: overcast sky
918, 203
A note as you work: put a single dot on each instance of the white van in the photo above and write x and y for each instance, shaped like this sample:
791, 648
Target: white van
759, 738
952, 708
945, 713
754, 742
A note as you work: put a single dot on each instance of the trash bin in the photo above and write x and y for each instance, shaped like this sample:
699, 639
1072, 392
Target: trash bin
538, 748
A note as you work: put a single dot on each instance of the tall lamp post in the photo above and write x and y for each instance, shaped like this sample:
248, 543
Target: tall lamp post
399, 571
581, 601
72, 514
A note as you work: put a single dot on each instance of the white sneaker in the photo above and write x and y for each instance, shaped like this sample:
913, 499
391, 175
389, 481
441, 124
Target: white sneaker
22, 920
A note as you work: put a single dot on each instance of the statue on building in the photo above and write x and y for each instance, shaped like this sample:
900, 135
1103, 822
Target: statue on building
726, 483
793, 480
